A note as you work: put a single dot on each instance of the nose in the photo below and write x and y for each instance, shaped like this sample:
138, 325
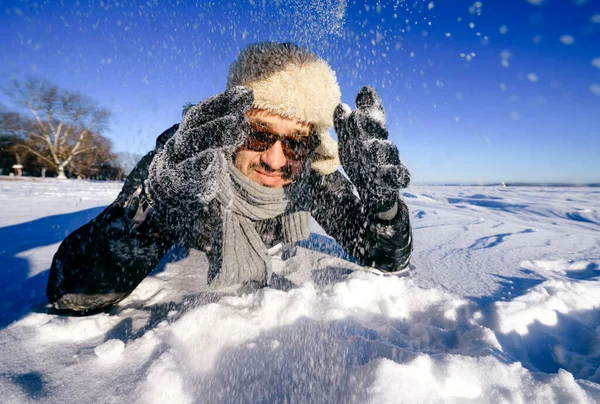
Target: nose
274, 157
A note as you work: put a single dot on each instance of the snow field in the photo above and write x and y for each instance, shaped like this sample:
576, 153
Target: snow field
502, 307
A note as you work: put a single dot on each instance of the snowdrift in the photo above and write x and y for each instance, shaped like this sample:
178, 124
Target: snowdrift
503, 305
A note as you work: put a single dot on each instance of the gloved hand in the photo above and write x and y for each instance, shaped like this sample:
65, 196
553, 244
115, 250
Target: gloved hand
184, 174
371, 161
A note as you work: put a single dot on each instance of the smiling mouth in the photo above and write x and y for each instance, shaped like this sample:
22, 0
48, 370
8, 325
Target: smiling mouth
274, 174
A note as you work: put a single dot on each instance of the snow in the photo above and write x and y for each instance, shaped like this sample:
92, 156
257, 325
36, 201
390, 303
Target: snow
543, 304
110, 350
567, 39
505, 56
502, 306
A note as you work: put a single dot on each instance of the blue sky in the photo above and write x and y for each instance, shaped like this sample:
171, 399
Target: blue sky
475, 91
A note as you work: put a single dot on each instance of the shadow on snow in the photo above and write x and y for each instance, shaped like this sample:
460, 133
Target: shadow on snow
18, 289
572, 344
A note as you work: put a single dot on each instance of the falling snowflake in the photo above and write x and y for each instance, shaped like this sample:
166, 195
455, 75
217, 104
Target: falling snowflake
476, 8
567, 39
505, 55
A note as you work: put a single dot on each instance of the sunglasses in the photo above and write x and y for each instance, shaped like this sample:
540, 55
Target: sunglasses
295, 147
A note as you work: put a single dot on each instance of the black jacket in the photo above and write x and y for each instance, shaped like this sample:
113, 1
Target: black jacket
102, 262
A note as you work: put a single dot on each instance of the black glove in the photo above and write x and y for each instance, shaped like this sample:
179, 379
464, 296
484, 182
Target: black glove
371, 161
184, 173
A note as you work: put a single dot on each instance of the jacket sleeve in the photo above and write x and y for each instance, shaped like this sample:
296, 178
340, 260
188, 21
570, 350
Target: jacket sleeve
373, 241
101, 263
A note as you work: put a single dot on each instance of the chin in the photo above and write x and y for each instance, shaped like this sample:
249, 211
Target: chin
273, 184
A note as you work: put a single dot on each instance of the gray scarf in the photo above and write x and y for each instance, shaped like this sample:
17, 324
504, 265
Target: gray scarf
243, 203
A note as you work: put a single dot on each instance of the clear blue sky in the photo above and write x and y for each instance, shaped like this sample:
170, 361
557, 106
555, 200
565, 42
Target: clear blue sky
474, 91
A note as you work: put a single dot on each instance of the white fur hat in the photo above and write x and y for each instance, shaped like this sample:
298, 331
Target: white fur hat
295, 83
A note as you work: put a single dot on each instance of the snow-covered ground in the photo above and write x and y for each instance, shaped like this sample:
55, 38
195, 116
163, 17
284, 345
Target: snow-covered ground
503, 306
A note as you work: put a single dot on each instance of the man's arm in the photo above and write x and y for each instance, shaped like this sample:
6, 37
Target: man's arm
101, 263
373, 226
167, 197
383, 240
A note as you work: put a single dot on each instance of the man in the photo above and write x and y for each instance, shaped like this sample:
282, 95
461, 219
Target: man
239, 179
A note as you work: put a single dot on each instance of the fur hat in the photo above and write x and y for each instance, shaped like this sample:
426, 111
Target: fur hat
295, 83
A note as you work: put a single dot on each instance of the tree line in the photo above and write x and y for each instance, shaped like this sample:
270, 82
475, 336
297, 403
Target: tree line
53, 132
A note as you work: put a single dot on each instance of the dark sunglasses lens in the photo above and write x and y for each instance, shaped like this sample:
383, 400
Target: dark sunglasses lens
295, 149
260, 141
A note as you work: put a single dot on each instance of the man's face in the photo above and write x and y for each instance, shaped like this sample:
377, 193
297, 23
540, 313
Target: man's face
271, 167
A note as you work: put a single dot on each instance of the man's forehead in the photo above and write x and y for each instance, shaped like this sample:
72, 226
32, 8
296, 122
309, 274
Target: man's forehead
275, 122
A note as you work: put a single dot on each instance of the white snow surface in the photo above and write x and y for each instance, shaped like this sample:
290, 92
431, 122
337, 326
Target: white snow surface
502, 306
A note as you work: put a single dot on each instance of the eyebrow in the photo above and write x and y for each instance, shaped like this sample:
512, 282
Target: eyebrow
265, 125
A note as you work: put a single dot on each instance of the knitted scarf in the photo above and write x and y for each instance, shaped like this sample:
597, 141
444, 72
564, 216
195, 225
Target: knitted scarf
243, 204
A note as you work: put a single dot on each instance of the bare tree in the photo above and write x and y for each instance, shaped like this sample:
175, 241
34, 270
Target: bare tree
12, 140
62, 121
90, 165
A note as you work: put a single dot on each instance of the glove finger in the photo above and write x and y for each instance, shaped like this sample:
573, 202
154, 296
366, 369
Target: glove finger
384, 202
200, 175
240, 99
385, 177
382, 151
340, 117
368, 102
234, 101
370, 115
404, 176
229, 130
354, 131
380, 197
187, 184
200, 167
369, 126
394, 176
352, 156
165, 184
